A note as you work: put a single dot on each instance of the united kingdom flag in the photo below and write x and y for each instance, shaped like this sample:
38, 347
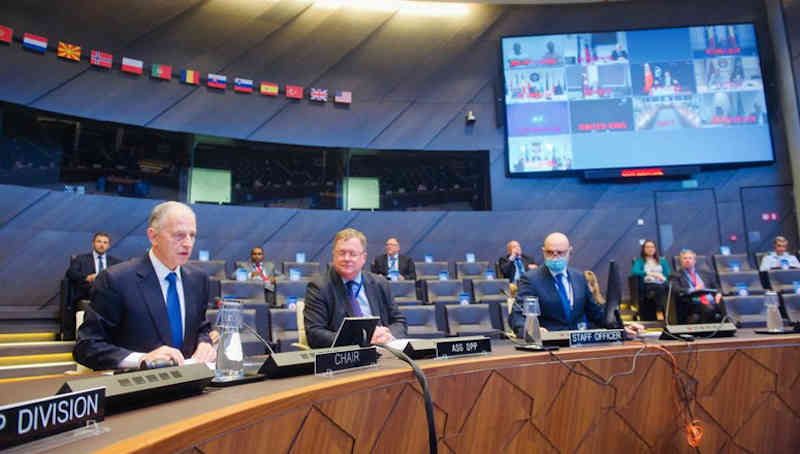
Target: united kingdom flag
318, 94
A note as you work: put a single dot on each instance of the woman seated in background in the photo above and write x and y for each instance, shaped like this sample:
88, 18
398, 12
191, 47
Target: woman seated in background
654, 271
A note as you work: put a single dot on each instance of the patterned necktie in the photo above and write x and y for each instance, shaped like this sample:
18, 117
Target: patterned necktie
562, 292
174, 312
351, 290
703, 297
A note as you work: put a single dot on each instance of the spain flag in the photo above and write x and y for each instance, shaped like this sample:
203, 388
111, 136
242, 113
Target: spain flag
69, 51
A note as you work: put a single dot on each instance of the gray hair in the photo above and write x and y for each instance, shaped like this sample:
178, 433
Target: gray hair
161, 210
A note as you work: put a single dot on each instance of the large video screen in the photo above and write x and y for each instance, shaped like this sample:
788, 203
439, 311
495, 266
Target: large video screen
636, 98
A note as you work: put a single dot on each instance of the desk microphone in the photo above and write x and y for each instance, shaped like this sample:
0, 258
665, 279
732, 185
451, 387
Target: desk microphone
260, 339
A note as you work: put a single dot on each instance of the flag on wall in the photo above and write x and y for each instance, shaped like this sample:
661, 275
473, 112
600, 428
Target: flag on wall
34, 42
6, 34
242, 85
101, 59
294, 91
269, 89
190, 76
343, 97
130, 65
161, 72
318, 94
68, 51
217, 81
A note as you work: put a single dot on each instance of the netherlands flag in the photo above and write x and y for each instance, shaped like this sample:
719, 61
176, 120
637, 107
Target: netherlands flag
34, 42
217, 81
242, 85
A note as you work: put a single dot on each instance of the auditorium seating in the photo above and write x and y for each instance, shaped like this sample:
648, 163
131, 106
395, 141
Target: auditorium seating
430, 270
252, 291
283, 329
488, 290
468, 319
445, 291
791, 303
421, 322
469, 270
214, 268
724, 263
214, 293
285, 289
783, 281
307, 269
760, 257
732, 281
746, 311
404, 292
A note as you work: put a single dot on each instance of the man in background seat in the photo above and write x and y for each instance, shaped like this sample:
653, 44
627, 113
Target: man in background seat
393, 260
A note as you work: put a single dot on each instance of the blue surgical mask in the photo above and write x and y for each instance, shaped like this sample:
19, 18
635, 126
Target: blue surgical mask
556, 265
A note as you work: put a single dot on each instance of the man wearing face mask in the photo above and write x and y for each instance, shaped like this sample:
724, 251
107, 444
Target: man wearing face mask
564, 296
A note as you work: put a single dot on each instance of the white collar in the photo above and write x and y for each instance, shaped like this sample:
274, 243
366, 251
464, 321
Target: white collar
161, 270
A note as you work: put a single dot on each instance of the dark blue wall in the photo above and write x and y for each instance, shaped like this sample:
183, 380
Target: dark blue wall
412, 77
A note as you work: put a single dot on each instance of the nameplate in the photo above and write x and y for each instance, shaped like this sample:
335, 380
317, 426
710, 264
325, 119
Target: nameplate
34, 419
465, 346
604, 336
350, 358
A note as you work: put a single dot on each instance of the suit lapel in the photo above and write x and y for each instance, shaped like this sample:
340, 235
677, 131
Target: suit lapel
154, 299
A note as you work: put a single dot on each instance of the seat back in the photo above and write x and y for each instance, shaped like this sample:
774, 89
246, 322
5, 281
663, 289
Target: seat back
421, 322
728, 262
404, 292
307, 269
468, 320
731, 281
746, 310
760, 257
214, 291
443, 291
285, 289
301, 325
430, 270
283, 329
783, 281
486, 290
242, 290
210, 267
791, 303
471, 269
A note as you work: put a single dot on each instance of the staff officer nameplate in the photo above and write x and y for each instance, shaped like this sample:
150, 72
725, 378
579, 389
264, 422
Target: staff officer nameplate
605, 336
344, 359
463, 346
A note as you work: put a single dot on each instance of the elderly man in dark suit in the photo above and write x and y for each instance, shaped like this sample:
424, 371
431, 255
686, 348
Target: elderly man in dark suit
564, 296
393, 260
150, 308
515, 264
348, 291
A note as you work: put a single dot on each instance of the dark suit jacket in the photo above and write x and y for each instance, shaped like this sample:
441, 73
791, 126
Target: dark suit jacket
80, 267
507, 267
327, 304
128, 314
540, 283
681, 285
404, 265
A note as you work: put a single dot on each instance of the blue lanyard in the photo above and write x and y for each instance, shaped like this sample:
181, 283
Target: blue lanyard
358, 289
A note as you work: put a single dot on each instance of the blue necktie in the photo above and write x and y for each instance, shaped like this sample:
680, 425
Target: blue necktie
562, 292
392, 264
174, 312
351, 288
99, 263
520, 270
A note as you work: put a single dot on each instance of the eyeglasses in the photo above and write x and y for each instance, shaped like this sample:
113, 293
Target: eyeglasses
554, 254
348, 254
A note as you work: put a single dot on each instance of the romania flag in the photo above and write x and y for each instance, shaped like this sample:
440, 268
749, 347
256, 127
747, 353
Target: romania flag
190, 76
69, 51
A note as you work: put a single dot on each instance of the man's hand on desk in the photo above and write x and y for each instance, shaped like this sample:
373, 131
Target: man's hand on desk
382, 335
205, 353
163, 354
634, 329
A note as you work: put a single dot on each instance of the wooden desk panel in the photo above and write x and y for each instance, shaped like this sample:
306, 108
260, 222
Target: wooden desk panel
747, 396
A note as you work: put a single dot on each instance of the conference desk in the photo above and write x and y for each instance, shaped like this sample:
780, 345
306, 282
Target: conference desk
746, 393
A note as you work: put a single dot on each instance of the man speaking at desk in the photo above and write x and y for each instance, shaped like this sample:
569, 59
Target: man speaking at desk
564, 297
152, 308
348, 291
